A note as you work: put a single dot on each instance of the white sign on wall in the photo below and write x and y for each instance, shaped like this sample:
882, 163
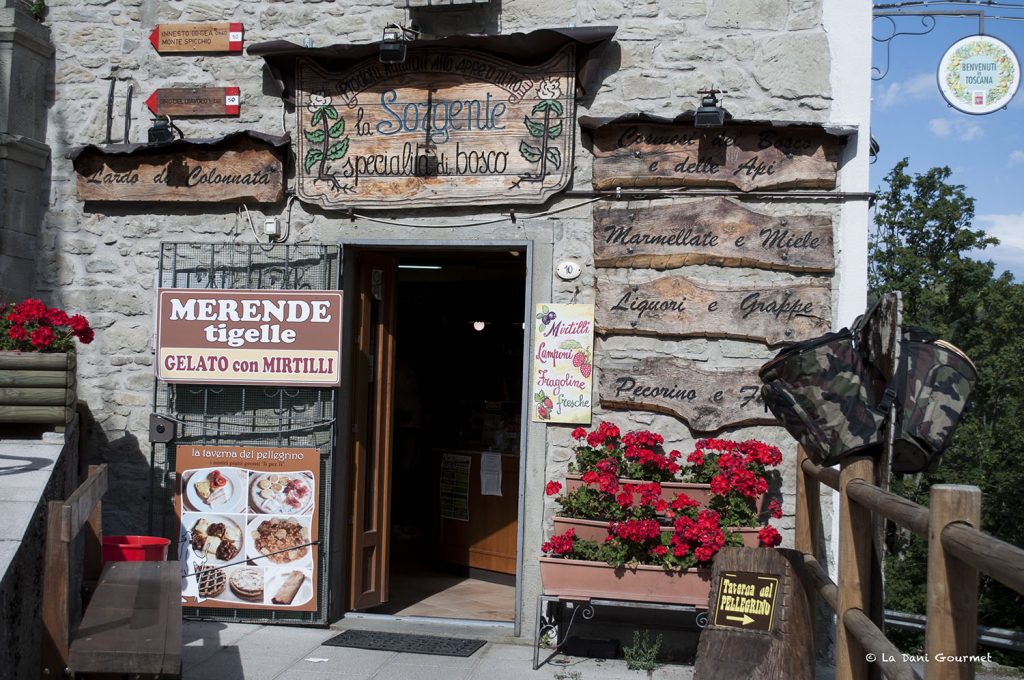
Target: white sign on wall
979, 74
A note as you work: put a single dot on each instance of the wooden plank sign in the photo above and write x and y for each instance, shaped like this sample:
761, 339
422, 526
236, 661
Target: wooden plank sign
195, 101
710, 231
676, 305
742, 157
746, 600
244, 170
189, 38
708, 401
446, 127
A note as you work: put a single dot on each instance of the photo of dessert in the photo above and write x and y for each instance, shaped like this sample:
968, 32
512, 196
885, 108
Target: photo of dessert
215, 539
289, 587
282, 493
246, 583
279, 540
221, 489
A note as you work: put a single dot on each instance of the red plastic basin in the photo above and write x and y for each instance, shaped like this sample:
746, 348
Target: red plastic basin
135, 549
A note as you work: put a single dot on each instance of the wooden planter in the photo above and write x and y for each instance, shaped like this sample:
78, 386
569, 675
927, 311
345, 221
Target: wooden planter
586, 580
669, 490
597, 530
37, 388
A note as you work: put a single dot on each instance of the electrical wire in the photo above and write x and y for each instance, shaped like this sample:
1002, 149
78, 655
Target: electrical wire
973, 3
480, 223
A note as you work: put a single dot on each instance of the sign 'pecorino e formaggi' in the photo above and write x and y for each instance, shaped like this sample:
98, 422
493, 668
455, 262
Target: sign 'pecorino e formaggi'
249, 337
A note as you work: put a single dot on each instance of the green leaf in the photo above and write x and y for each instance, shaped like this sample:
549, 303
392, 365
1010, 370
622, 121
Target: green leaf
539, 106
314, 137
337, 128
318, 115
555, 106
545, 309
554, 131
337, 150
570, 344
331, 112
530, 153
552, 105
555, 157
312, 156
535, 129
539, 396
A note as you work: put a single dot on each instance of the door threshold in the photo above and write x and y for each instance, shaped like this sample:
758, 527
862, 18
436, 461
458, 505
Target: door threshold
431, 620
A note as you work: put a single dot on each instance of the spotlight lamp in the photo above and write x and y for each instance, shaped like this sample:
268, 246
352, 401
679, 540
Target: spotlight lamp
710, 114
393, 43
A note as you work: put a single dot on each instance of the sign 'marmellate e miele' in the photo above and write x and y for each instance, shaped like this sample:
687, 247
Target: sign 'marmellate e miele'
249, 337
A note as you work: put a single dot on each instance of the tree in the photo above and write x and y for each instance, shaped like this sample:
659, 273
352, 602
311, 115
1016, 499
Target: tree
923, 232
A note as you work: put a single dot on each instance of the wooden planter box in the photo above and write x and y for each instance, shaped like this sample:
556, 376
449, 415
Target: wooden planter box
586, 580
37, 388
669, 490
597, 530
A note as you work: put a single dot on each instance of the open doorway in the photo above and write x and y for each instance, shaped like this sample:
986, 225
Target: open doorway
457, 387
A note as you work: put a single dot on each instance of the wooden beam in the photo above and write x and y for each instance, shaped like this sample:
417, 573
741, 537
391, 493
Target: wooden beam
54, 652
874, 641
33, 378
78, 508
826, 587
37, 396
999, 559
952, 605
905, 513
36, 361
855, 568
35, 414
827, 476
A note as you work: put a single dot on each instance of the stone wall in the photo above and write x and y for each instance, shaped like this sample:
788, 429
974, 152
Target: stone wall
774, 57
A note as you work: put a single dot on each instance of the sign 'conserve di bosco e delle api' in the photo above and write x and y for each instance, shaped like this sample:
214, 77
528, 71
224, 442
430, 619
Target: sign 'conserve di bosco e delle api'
445, 127
249, 337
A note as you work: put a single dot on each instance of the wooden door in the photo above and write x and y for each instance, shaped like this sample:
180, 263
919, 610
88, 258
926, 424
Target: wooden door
370, 444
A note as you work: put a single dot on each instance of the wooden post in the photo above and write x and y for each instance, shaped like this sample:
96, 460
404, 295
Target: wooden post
855, 567
54, 653
808, 508
952, 585
93, 546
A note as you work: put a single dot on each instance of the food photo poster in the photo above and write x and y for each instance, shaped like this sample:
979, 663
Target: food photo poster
248, 518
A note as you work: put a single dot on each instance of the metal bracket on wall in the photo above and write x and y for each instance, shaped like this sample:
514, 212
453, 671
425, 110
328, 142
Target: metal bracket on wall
928, 23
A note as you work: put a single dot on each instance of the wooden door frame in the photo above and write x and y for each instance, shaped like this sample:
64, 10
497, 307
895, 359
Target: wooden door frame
341, 500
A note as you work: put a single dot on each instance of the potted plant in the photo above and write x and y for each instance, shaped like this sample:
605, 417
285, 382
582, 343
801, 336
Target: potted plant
37, 362
737, 475
638, 559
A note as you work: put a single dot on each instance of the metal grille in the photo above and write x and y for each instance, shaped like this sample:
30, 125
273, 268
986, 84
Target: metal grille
249, 415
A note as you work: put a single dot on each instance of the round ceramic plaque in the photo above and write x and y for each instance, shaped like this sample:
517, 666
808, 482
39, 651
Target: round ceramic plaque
979, 74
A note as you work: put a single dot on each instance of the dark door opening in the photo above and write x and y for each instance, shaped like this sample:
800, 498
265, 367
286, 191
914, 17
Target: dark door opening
457, 407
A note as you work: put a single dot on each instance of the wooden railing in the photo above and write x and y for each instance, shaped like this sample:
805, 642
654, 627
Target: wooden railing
957, 551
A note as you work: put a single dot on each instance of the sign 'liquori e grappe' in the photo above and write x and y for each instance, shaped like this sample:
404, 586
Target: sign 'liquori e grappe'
249, 337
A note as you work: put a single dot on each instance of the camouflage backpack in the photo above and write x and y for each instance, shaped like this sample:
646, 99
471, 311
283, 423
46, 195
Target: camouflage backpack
835, 402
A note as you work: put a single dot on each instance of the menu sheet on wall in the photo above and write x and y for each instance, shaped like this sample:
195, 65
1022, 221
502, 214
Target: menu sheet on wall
248, 529
563, 363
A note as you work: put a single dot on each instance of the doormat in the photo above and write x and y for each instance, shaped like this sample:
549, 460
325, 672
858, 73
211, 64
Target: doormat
403, 642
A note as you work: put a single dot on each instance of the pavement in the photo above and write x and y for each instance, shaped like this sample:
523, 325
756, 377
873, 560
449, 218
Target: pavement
237, 651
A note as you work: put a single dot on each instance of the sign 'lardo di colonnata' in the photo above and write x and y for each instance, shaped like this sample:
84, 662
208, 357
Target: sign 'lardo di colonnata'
979, 74
255, 337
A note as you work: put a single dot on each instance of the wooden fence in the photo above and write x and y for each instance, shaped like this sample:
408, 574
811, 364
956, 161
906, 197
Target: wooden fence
957, 551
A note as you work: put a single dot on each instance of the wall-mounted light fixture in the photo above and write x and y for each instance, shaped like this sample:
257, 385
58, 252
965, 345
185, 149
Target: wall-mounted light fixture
393, 43
479, 325
710, 114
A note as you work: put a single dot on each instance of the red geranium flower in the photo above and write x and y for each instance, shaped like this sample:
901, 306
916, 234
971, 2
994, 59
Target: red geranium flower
41, 337
579, 433
18, 333
553, 488
769, 537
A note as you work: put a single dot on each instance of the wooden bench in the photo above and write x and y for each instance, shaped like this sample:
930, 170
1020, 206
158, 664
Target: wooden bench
132, 623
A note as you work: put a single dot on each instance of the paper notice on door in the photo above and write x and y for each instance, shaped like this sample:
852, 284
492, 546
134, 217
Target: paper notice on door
455, 487
490, 474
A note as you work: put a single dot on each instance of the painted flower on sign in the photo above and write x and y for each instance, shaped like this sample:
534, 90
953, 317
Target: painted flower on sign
549, 88
326, 139
318, 100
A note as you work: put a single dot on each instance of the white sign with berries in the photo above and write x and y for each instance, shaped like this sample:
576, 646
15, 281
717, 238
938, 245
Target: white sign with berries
563, 363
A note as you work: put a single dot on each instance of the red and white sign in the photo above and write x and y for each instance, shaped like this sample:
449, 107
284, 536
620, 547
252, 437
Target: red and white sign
214, 37
195, 101
256, 337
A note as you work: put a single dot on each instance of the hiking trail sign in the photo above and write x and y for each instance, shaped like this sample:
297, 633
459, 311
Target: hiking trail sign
192, 38
445, 127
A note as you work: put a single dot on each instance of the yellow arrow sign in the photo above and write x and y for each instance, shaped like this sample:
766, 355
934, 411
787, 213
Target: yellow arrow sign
745, 620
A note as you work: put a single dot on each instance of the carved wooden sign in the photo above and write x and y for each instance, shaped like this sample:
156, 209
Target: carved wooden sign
446, 127
676, 305
190, 38
710, 231
195, 101
708, 401
742, 157
243, 168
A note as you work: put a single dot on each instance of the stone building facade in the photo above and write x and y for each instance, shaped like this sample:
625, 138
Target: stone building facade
778, 60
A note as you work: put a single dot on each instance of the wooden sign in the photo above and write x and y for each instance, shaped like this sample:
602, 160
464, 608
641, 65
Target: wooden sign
708, 401
195, 101
761, 620
746, 600
675, 305
446, 127
743, 157
562, 377
710, 231
243, 168
213, 37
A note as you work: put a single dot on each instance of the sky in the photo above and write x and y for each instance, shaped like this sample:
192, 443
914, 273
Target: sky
909, 118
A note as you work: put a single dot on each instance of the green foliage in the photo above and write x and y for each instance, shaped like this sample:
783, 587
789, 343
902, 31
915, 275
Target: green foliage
920, 246
642, 655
